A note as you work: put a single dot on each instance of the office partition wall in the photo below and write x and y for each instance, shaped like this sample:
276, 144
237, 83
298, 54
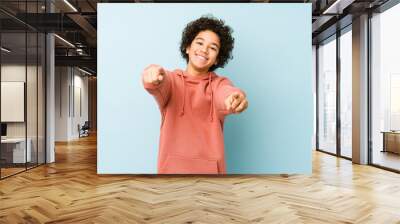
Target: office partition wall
13, 73
22, 77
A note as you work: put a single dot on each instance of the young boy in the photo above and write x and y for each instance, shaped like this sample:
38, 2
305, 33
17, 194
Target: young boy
194, 102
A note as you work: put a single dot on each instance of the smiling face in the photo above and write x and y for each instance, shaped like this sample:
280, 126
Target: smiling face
203, 51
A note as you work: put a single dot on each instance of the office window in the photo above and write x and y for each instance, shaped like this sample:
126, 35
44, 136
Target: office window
385, 89
346, 93
327, 96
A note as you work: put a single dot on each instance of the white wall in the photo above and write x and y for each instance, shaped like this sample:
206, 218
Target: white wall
33, 127
15, 72
9, 73
70, 84
61, 103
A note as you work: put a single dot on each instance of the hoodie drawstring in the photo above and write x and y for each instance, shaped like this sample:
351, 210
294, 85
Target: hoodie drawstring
184, 94
212, 98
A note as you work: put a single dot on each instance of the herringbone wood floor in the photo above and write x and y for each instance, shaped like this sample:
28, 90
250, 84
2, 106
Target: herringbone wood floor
70, 191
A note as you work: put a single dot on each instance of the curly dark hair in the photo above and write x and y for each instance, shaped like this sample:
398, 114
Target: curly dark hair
215, 25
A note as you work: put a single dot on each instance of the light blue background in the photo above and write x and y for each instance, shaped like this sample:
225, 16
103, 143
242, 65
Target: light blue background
272, 64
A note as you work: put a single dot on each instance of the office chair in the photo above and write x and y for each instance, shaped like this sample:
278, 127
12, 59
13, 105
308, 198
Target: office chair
84, 130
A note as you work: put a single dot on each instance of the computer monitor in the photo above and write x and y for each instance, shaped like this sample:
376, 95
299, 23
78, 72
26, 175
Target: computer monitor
3, 129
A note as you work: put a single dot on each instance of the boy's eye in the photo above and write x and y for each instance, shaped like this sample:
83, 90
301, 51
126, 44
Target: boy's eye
200, 43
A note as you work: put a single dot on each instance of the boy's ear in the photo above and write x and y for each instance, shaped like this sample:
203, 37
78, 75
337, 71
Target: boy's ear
187, 50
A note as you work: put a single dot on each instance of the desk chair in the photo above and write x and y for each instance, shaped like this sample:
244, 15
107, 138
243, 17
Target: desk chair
84, 130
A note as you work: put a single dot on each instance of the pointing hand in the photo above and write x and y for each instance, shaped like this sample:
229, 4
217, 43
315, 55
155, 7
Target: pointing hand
236, 102
153, 74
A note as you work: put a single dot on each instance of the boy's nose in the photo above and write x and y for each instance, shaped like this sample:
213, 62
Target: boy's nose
204, 50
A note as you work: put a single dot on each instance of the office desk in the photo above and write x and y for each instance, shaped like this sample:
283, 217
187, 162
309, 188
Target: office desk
13, 150
391, 141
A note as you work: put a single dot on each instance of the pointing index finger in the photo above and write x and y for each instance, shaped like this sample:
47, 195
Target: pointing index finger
161, 71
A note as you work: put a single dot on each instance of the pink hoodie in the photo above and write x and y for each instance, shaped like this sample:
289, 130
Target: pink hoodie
191, 138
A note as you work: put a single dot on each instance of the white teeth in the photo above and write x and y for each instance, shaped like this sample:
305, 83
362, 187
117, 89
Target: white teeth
204, 58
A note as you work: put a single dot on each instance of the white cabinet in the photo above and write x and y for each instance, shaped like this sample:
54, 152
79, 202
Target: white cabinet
18, 149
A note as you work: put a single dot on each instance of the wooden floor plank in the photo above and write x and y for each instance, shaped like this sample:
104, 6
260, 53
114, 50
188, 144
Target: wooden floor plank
70, 191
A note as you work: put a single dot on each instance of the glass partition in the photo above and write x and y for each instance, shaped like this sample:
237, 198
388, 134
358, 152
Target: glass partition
22, 77
14, 153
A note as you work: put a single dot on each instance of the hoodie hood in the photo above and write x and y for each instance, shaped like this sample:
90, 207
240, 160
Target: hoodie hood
208, 77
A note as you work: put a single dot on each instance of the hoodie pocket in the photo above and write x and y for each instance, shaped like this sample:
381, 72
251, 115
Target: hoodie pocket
182, 165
